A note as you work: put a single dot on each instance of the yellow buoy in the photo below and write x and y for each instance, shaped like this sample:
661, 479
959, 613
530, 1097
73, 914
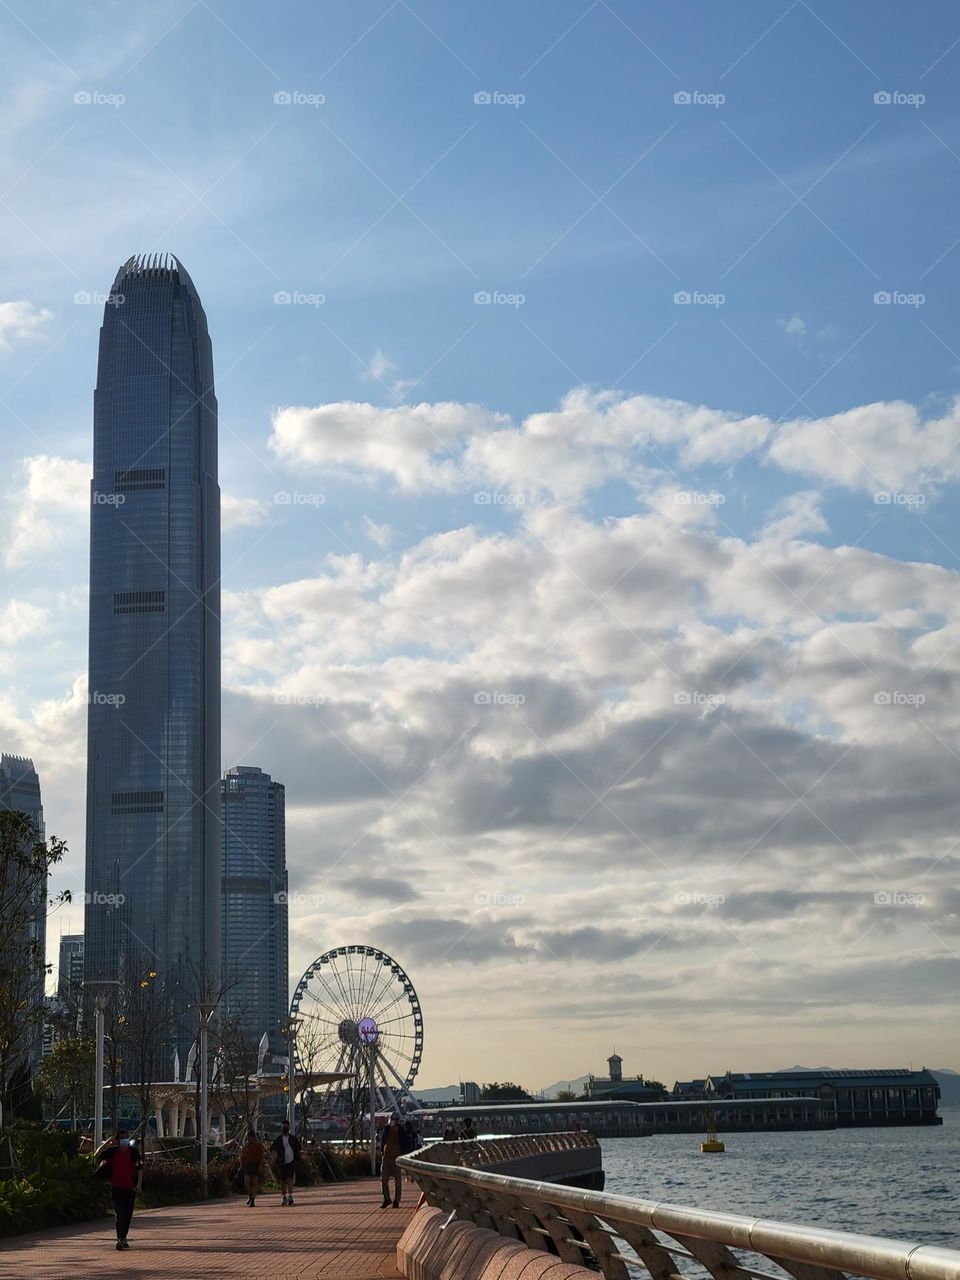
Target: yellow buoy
712, 1142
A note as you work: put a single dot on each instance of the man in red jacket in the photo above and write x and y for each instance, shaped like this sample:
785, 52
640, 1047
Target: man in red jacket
125, 1162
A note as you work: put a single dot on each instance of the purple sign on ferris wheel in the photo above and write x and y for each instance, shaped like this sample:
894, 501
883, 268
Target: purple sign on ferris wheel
367, 1031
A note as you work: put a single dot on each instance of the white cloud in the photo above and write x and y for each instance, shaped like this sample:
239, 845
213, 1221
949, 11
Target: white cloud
381, 534
796, 515
21, 320
242, 513
593, 436
52, 489
794, 330
381, 369
411, 444
19, 619
873, 448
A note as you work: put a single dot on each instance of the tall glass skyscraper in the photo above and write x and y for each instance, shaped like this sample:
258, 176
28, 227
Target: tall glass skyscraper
153, 750
255, 902
20, 791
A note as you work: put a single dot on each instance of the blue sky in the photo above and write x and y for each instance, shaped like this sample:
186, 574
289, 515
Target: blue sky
783, 197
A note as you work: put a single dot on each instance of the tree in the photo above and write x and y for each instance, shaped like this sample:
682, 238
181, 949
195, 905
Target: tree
237, 1052
504, 1092
66, 1075
24, 862
144, 1025
566, 1095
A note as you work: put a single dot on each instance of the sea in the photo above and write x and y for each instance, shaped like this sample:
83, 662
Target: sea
900, 1183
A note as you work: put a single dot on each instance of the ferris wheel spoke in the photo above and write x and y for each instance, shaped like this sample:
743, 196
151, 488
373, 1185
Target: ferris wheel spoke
387, 1007
343, 994
334, 1014
317, 1049
363, 985
348, 977
389, 1000
401, 1080
315, 996
380, 985
401, 1017
391, 980
348, 987
362, 981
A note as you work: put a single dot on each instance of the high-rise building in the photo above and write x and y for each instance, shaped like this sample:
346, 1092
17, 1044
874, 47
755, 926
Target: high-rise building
70, 970
255, 902
20, 791
51, 1024
153, 763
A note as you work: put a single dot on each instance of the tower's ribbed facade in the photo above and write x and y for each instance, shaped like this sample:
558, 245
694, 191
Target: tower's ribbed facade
153, 763
255, 903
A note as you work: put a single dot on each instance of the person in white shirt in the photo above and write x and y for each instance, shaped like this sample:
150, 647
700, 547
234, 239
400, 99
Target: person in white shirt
286, 1148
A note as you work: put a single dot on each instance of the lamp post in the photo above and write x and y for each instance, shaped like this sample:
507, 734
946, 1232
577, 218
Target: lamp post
100, 993
205, 1010
290, 1031
373, 1107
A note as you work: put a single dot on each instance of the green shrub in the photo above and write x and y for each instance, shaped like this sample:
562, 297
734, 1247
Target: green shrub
354, 1164
170, 1181
57, 1191
33, 1144
220, 1175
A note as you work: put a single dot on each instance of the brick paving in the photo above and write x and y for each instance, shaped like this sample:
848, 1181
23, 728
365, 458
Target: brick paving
338, 1232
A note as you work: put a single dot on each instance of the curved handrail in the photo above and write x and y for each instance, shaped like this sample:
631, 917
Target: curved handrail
474, 1153
592, 1228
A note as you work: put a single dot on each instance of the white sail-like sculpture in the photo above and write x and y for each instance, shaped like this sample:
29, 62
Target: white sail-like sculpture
176, 1065
262, 1053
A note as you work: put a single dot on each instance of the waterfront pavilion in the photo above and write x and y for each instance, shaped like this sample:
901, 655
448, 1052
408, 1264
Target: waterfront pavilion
173, 1103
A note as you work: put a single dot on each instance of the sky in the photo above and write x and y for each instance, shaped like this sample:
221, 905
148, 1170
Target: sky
588, 378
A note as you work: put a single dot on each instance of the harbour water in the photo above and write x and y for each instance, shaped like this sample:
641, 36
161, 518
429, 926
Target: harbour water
902, 1183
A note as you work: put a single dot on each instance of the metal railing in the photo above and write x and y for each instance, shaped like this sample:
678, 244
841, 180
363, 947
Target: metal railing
624, 1238
474, 1153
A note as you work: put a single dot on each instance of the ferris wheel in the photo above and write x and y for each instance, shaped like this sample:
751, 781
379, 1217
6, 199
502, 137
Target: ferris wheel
356, 1012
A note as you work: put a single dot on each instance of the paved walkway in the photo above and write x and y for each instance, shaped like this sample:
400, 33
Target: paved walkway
338, 1232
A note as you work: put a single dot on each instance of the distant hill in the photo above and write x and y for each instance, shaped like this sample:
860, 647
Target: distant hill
949, 1082
575, 1086
447, 1093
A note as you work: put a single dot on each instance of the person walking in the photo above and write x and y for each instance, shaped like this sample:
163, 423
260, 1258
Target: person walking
125, 1162
286, 1148
251, 1163
391, 1149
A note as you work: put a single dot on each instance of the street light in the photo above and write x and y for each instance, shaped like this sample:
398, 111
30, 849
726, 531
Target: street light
205, 1010
290, 1032
100, 994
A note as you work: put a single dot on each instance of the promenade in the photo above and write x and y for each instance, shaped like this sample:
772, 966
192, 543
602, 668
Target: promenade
337, 1231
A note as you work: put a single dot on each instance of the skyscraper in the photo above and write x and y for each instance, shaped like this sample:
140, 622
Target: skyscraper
255, 902
20, 791
70, 969
153, 763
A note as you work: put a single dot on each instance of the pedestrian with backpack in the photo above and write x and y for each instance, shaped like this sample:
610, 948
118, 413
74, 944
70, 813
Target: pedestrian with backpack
120, 1159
